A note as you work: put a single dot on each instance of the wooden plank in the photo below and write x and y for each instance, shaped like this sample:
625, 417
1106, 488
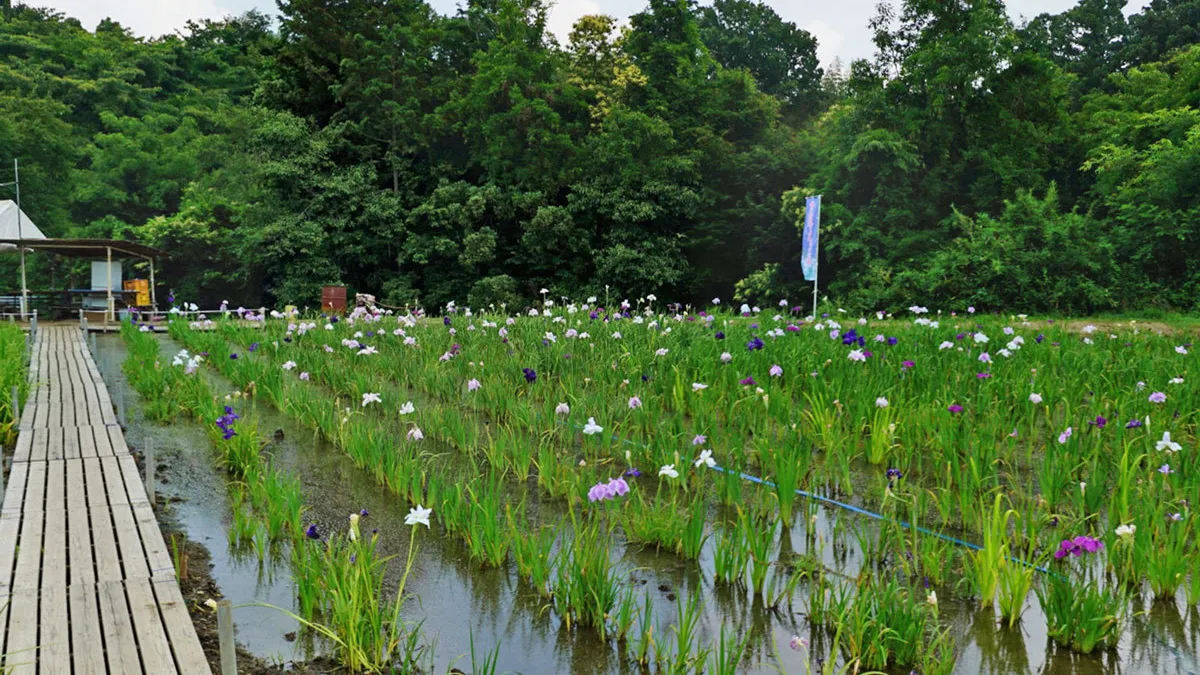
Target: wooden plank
152, 638
24, 441
71, 443
10, 528
3, 622
114, 481
157, 555
35, 487
134, 486
29, 553
103, 442
87, 406
54, 642
54, 548
87, 441
54, 418
21, 646
119, 645
104, 545
56, 492
188, 654
67, 386
71, 383
75, 486
79, 547
41, 411
54, 442
82, 413
93, 476
87, 647
117, 438
14, 493
129, 543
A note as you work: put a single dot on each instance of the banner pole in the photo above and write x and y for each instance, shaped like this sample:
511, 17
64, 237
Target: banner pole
815, 271
816, 254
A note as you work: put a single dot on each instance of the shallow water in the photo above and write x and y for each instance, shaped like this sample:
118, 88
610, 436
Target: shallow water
455, 599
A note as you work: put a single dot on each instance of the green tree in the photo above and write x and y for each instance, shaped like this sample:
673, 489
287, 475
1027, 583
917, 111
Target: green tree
749, 35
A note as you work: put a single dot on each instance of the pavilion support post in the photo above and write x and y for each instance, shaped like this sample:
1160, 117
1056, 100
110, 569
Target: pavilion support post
108, 316
24, 282
153, 297
20, 239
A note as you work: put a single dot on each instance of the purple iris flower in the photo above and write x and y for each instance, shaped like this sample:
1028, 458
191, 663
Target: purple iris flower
446, 320
749, 381
1077, 547
1099, 422
956, 408
720, 335
1133, 423
893, 340
233, 356
755, 344
530, 374
253, 347
311, 532
225, 423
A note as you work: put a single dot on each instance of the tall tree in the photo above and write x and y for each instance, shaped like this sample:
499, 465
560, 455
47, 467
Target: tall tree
749, 35
1087, 40
1160, 28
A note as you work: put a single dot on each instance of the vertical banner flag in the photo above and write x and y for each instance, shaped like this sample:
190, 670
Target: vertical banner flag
812, 221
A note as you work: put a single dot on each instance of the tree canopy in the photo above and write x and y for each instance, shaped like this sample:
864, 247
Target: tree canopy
472, 157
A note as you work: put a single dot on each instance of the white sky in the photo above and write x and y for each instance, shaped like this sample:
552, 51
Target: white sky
840, 27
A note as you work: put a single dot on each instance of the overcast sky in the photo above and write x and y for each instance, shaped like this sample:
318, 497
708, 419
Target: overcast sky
840, 26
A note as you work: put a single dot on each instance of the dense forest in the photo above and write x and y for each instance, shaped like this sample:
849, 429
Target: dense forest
1053, 165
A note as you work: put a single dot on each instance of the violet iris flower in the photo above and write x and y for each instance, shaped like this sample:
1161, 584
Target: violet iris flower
1077, 547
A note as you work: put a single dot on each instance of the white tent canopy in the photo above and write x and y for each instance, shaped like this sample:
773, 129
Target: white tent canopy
11, 229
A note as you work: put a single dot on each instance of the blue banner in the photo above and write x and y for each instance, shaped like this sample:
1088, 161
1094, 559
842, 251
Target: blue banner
812, 222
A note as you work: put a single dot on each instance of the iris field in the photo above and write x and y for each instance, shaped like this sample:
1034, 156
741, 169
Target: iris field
1004, 461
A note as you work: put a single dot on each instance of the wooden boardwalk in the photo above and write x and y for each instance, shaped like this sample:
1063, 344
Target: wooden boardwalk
87, 585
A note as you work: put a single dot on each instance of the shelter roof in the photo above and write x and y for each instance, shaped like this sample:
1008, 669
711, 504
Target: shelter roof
88, 248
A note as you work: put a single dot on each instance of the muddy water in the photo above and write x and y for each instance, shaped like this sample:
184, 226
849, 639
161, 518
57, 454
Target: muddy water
455, 599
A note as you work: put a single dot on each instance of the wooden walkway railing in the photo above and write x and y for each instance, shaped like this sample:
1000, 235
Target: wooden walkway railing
87, 585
